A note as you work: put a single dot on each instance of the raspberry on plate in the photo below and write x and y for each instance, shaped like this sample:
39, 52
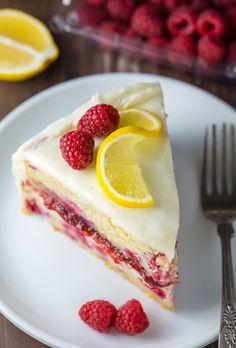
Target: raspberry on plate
146, 21
121, 9
131, 318
77, 149
182, 21
211, 22
92, 15
99, 120
211, 49
98, 314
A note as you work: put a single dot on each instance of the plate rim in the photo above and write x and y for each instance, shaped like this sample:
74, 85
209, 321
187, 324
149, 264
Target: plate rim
8, 312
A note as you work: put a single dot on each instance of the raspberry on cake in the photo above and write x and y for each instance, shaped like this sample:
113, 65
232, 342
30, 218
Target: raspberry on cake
139, 243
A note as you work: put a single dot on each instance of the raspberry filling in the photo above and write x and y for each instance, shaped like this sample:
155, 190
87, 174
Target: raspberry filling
73, 217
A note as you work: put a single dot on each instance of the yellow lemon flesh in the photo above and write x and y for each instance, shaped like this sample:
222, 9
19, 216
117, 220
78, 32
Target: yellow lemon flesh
26, 45
118, 171
140, 118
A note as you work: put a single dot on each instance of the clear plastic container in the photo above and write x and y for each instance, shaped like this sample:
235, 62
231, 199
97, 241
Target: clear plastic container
67, 21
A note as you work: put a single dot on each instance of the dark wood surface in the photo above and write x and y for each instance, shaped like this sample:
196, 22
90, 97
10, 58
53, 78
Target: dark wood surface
78, 58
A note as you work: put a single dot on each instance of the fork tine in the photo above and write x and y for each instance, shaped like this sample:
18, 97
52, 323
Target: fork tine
204, 166
214, 159
224, 164
233, 160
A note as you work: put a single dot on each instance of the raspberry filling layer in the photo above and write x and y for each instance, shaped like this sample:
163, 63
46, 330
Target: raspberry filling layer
73, 217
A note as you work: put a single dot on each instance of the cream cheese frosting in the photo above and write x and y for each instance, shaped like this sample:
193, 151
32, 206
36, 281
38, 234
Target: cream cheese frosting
155, 226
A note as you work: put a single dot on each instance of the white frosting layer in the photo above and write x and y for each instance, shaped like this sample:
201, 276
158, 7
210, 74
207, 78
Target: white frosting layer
156, 226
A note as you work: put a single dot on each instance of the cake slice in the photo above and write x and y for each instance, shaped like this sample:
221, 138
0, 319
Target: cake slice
139, 243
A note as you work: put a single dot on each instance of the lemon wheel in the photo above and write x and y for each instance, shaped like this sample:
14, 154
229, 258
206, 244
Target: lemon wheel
118, 171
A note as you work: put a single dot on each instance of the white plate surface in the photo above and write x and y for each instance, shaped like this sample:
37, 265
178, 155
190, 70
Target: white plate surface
45, 277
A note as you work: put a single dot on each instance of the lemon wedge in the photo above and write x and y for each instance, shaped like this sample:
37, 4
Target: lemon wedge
118, 171
140, 118
26, 45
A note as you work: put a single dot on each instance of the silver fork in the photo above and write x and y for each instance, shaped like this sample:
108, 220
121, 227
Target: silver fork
218, 197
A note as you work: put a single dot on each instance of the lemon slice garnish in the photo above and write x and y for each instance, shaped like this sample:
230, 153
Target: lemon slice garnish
26, 45
140, 118
118, 171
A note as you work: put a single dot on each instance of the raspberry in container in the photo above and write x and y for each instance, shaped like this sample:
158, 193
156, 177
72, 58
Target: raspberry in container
197, 36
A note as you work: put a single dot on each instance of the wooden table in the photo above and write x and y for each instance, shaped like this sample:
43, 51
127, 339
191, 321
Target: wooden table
77, 58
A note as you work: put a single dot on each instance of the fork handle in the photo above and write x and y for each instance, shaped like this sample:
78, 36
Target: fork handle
227, 336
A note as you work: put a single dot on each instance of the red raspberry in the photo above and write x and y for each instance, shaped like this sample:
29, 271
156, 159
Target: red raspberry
182, 21
113, 27
231, 17
149, 50
92, 15
121, 9
146, 21
131, 318
99, 120
227, 3
98, 315
211, 49
232, 52
181, 51
157, 41
171, 5
97, 2
77, 149
131, 33
183, 44
158, 3
201, 5
211, 22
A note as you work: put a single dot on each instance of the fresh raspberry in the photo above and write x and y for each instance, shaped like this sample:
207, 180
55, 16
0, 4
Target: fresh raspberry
157, 41
131, 33
211, 22
146, 21
181, 51
171, 5
99, 120
151, 45
232, 52
98, 315
182, 21
231, 17
158, 3
201, 5
183, 44
113, 26
92, 15
121, 9
97, 2
131, 318
227, 3
77, 149
211, 49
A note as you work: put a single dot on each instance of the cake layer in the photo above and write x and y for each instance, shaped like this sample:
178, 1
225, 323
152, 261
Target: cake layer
69, 219
153, 262
154, 228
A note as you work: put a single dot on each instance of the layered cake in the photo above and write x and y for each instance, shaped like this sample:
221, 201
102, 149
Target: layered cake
113, 192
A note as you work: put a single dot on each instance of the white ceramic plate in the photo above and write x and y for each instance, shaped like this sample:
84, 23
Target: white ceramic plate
45, 277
